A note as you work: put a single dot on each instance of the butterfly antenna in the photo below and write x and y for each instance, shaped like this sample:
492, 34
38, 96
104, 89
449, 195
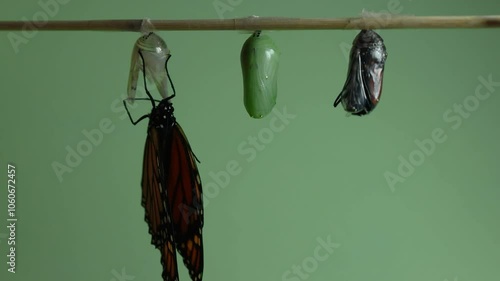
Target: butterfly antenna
169, 79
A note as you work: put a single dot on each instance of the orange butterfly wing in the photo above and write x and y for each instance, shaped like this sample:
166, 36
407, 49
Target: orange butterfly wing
157, 213
184, 191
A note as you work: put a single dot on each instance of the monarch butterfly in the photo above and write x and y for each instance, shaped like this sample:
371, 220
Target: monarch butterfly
259, 63
171, 188
363, 87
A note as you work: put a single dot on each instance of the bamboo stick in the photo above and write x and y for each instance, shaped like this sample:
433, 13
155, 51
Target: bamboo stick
380, 21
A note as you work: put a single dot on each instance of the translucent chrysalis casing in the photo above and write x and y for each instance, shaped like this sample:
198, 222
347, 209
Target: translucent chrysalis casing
155, 53
363, 87
259, 63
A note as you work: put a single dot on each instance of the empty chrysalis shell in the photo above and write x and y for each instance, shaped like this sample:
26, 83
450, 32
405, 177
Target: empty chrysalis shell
363, 87
259, 63
155, 53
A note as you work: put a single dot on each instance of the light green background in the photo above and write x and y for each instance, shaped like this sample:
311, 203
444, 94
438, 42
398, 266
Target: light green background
321, 176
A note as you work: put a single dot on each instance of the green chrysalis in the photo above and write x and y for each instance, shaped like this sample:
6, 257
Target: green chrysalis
259, 63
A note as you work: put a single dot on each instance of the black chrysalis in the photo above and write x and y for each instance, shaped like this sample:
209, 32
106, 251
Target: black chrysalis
363, 87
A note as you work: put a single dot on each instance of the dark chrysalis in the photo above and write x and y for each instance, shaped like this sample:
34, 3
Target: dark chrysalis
363, 87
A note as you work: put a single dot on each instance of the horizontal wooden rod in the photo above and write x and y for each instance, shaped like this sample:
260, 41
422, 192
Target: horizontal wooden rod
372, 21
